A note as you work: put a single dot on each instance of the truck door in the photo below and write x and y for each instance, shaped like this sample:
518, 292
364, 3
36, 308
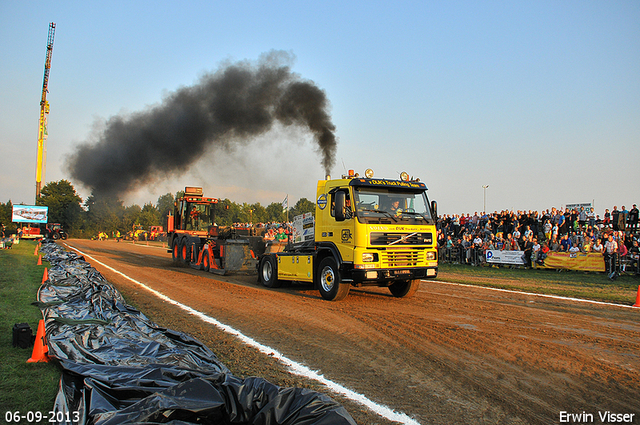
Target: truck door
342, 223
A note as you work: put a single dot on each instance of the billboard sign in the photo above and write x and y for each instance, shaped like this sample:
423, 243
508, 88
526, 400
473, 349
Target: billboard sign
29, 214
586, 205
505, 257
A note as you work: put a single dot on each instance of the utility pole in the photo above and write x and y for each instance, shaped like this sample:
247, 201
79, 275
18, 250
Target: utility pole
41, 158
484, 204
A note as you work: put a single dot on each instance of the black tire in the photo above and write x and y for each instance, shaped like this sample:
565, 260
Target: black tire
205, 260
404, 288
55, 236
184, 250
175, 254
63, 236
268, 272
330, 282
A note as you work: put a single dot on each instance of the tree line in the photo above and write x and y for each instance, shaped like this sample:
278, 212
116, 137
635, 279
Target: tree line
105, 214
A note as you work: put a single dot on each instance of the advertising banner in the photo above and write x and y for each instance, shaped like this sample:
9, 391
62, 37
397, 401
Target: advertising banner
303, 228
29, 214
593, 262
505, 257
586, 206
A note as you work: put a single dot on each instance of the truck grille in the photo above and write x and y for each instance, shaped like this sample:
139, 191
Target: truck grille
384, 238
403, 258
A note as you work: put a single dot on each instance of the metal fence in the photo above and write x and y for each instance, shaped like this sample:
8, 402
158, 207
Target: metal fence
458, 254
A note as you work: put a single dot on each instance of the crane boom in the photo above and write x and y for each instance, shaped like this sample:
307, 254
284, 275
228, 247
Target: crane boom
44, 111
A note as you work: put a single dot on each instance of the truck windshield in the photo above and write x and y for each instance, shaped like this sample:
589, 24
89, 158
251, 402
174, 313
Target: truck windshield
199, 217
380, 206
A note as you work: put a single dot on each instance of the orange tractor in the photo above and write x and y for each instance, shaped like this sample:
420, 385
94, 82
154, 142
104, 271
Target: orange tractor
194, 239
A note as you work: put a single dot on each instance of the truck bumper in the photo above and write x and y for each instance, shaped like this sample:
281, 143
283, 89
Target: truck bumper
385, 277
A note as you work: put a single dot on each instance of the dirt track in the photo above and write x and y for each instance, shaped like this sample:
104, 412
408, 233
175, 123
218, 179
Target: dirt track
451, 354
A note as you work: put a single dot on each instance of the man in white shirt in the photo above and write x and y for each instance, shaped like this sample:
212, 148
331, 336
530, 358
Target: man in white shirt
610, 254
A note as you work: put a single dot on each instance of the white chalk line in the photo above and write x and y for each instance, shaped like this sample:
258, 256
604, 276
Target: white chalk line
294, 367
533, 294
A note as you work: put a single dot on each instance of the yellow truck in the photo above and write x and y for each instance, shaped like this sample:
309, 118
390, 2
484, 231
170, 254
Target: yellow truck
366, 232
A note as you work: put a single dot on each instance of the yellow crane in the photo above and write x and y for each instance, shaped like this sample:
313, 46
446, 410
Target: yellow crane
41, 158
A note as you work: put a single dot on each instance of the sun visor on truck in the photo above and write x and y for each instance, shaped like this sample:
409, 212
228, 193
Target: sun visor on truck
384, 183
118, 367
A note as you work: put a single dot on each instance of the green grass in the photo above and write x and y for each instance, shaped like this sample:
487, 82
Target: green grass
568, 283
23, 386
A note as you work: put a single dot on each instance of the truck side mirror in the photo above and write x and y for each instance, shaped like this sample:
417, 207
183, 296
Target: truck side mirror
340, 198
434, 209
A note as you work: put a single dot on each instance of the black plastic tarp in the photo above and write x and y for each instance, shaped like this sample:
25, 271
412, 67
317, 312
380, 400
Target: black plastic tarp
118, 367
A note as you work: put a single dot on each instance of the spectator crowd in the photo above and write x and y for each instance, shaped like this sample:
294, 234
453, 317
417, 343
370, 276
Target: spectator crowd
467, 238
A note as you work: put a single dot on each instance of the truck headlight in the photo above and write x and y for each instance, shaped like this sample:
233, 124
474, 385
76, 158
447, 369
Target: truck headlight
431, 256
369, 257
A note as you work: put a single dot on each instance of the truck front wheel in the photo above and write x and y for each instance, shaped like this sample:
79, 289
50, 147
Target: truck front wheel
330, 283
185, 251
404, 288
175, 253
269, 272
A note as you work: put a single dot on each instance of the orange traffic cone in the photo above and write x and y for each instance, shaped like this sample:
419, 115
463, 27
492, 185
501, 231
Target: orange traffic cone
35, 251
40, 348
637, 304
39, 263
45, 275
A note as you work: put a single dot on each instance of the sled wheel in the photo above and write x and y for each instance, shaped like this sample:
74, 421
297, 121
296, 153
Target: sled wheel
205, 260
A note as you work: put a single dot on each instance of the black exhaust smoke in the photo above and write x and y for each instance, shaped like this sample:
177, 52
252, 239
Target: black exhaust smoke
227, 108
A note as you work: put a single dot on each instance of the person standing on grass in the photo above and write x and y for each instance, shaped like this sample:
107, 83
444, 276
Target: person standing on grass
528, 251
610, 254
535, 250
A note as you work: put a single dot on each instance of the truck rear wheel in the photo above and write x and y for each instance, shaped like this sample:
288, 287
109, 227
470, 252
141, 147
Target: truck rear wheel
404, 288
269, 272
330, 282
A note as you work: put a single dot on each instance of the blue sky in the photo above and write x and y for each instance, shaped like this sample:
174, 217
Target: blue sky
538, 100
